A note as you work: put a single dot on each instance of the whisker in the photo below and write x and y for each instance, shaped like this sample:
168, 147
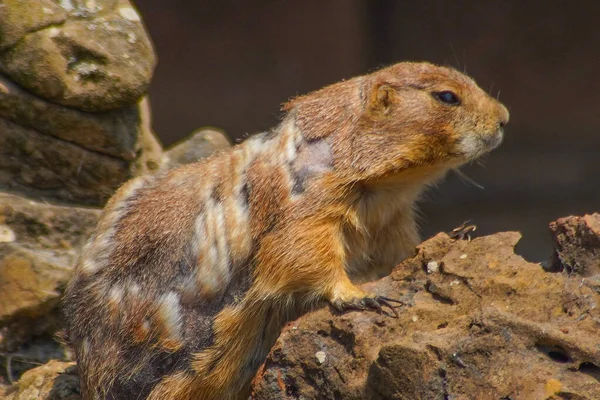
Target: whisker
454, 55
467, 179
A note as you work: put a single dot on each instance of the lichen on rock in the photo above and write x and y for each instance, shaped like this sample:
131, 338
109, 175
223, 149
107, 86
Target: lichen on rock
89, 55
73, 119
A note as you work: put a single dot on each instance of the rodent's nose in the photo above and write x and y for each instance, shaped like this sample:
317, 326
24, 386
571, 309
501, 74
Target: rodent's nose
503, 116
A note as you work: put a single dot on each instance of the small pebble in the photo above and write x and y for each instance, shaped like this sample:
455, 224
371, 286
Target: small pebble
432, 267
53, 32
415, 318
129, 14
463, 257
321, 357
6, 234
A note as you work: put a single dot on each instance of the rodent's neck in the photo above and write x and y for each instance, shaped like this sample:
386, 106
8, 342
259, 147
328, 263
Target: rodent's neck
376, 202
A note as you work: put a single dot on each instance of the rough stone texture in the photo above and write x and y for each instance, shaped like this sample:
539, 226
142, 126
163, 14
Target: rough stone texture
39, 244
57, 153
39, 165
479, 322
111, 133
53, 381
37, 352
89, 55
200, 144
482, 323
18, 18
62, 60
74, 126
577, 243
148, 148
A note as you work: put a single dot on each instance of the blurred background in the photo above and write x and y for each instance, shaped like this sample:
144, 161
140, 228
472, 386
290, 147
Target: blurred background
230, 64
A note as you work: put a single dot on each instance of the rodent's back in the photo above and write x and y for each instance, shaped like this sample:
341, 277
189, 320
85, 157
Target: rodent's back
169, 253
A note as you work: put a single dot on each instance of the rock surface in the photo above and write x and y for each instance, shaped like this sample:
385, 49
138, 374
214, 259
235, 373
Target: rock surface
577, 243
74, 124
110, 133
39, 245
55, 380
89, 55
58, 153
200, 144
479, 322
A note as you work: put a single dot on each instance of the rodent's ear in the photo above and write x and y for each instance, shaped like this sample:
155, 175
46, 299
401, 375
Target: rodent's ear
380, 99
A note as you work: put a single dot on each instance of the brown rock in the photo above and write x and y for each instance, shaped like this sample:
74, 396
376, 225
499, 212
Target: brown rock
200, 144
74, 55
18, 18
38, 249
53, 381
148, 146
55, 152
99, 58
112, 133
42, 166
37, 352
577, 244
479, 322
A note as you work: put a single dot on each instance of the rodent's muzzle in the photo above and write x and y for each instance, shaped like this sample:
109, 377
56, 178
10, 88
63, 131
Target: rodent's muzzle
492, 141
475, 144
503, 116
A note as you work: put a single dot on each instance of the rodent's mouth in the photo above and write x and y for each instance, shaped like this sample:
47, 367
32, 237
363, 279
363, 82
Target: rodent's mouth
494, 140
474, 145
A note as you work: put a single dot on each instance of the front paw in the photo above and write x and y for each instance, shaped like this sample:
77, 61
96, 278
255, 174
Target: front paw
463, 232
368, 302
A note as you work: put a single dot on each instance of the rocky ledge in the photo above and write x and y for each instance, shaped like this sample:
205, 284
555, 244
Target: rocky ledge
479, 321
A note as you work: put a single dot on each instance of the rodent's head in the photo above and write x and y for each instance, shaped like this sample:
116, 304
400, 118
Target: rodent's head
406, 116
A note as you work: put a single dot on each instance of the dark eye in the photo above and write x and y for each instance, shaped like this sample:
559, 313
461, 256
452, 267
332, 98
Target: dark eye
447, 97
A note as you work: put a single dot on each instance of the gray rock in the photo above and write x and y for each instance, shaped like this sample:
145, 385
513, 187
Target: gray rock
36, 264
577, 244
99, 58
200, 144
42, 166
113, 133
18, 18
53, 381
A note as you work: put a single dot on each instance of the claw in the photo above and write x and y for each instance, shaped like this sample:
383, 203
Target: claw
386, 302
373, 303
376, 303
463, 231
392, 300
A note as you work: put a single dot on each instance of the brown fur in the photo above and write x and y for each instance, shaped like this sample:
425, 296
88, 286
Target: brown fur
190, 275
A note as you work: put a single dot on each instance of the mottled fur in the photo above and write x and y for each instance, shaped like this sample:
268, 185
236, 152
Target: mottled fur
191, 274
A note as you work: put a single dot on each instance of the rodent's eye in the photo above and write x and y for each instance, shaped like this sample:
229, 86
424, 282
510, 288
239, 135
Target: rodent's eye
447, 97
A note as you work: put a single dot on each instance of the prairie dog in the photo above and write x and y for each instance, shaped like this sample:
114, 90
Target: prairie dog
190, 274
